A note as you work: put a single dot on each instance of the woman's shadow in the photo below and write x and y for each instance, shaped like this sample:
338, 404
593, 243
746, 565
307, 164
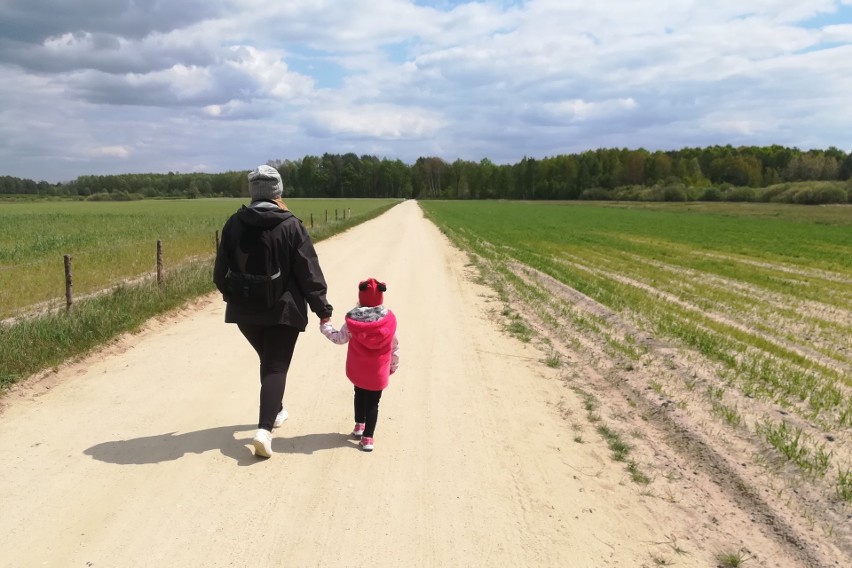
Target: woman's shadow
232, 441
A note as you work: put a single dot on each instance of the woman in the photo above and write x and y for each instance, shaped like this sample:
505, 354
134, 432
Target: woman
268, 273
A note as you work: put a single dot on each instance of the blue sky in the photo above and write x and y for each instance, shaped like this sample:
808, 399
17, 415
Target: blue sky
102, 86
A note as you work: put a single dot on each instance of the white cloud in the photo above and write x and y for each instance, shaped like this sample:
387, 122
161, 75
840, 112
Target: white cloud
270, 72
225, 83
113, 151
375, 121
579, 110
838, 33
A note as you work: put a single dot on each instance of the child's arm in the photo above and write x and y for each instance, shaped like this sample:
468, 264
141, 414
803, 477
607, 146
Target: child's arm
338, 337
394, 355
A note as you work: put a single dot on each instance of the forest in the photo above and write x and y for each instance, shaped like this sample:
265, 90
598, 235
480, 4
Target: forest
717, 173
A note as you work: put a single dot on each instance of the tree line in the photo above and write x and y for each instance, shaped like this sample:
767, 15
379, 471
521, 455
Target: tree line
747, 173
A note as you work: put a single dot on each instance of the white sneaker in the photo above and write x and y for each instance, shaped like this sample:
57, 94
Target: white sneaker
262, 442
279, 420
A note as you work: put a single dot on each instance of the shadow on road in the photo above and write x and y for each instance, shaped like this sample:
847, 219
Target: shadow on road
232, 441
310, 443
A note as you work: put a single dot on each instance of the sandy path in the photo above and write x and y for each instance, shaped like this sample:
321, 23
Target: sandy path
139, 456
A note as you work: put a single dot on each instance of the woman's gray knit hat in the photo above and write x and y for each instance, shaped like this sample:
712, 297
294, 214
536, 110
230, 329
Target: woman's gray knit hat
265, 183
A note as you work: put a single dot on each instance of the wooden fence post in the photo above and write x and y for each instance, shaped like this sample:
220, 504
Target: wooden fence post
326, 216
335, 214
68, 299
159, 262
312, 220
217, 239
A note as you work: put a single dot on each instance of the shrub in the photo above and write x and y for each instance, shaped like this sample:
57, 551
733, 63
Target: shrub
674, 193
808, 193
819, 195
711, 194
630, 193
741, 194
596, 194
102, 196
770, 193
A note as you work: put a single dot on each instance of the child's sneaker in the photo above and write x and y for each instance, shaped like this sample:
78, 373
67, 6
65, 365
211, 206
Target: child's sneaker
366, 444
262, 443
279, 420
358, 431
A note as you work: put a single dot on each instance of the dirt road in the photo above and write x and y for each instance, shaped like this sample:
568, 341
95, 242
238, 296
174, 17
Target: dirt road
140, 456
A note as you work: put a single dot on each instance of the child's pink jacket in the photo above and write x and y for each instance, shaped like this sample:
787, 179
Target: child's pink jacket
373, 347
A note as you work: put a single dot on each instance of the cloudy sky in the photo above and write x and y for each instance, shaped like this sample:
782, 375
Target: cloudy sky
118, 86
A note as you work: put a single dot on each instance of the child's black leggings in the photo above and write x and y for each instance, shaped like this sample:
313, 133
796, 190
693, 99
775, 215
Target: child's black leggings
367, 409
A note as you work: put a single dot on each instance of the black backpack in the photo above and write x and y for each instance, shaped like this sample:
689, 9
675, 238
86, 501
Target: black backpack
264, 282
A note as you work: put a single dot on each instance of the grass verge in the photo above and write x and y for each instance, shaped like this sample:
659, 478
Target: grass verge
32, 345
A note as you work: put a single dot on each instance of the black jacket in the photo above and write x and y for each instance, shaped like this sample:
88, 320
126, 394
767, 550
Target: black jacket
287, 237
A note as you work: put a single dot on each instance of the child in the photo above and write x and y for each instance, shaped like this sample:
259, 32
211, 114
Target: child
373, 355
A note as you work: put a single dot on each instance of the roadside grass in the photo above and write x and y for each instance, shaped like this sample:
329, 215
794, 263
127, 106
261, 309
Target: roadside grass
728, 414
32, 344
636, 475
796, 447
553, 360
112, 242
763, 296
843, 486
619, 449
615, 442
732, 559
518, 327
660, 560
626, 346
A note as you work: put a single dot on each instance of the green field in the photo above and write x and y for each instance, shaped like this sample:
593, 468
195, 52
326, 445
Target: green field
114, 241
759, 294
780, 273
